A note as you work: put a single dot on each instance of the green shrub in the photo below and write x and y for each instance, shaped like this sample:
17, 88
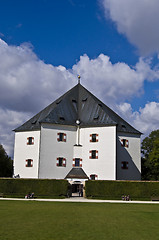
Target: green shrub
40, 187
116, 189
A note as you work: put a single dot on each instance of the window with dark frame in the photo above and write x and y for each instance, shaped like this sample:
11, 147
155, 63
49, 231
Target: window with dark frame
94, 137
77, 162
93, 154
30, 141
124, 165
29, 163
61, 162
125, 143
92, 177
61, 137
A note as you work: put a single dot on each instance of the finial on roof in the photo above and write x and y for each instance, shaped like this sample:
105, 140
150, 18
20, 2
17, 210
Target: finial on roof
79, 77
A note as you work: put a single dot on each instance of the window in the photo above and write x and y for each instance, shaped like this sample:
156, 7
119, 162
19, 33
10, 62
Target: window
93, 177
124, 165
61, 137
77, 162
30, 141
29, 163
93, 154
125, 143
61, 162
94, 137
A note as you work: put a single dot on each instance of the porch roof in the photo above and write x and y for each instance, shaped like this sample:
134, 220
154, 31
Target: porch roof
77, 173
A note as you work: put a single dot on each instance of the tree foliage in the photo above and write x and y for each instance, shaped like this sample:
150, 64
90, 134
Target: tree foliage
6, 164
150, 156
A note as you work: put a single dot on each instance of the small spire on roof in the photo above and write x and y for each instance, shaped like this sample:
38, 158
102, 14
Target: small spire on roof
79, 77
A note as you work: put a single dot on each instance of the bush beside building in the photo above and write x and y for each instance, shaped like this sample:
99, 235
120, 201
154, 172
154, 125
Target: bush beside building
137, 190
45, 188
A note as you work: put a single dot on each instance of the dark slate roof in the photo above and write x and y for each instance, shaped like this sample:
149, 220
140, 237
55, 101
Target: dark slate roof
78, 103
77, 173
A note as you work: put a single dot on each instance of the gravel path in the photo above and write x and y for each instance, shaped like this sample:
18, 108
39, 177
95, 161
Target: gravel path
81, 199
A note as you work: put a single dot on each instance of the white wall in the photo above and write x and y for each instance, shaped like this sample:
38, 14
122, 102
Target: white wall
105, 165
51, 149
22, 151
132, 155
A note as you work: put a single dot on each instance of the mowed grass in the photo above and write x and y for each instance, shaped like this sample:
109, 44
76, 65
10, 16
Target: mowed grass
25, 220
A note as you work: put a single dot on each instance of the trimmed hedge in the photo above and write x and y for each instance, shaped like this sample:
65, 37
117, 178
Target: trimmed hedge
138, 190
49, 188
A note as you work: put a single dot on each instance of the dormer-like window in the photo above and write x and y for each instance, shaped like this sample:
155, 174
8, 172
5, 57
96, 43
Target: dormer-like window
61, 137
29, 163
93, 154
94, 137
30, 141
125, 143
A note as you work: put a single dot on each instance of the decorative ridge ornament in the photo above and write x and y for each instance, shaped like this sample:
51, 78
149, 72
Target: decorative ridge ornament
79, 77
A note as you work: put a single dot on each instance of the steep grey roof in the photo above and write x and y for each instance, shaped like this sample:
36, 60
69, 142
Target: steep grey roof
77, 173
78, 103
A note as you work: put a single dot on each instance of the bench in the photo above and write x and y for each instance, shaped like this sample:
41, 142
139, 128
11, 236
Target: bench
1, 195
155, 198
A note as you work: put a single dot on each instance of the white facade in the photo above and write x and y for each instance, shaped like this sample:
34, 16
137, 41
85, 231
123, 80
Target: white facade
51, 149
105, 165
46, 150
23, 151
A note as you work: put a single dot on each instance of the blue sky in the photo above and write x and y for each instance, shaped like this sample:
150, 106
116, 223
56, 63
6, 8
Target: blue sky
60, 31
45, 44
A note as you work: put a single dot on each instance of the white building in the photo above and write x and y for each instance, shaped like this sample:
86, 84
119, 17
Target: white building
77, 137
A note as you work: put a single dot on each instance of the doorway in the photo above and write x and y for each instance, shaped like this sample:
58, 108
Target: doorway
77, 189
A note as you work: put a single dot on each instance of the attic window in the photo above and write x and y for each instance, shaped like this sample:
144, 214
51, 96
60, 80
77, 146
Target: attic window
74, 102
62, 118
83, 102
123, 126
84, 99
35, 121
58, 101
100, 104
96, 117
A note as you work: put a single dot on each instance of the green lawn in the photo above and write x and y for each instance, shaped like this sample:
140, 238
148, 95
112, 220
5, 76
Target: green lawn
75, 221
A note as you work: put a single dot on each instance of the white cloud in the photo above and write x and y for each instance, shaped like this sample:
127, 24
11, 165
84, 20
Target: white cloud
27, 85
145, 120
9, 120
138, 20
147, 117
114, 82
